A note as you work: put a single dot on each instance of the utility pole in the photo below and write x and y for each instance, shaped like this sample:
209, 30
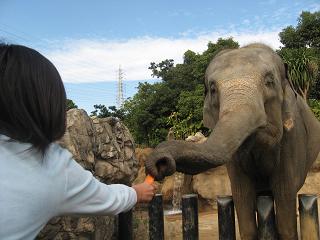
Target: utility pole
120, 98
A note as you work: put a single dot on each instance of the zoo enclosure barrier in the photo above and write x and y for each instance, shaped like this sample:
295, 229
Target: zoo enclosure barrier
308, 212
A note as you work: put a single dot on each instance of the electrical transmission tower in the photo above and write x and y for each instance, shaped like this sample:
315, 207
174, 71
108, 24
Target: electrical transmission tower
120, 98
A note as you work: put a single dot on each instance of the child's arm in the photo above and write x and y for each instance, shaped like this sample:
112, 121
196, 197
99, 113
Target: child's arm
84, 194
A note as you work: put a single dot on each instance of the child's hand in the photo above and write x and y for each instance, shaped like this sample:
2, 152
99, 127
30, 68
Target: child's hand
145, 191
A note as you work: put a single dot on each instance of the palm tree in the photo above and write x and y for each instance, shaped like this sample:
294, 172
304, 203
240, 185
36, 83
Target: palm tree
302, 69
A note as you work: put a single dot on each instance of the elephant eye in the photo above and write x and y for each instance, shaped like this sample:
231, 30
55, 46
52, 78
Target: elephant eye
212, 88
269, 80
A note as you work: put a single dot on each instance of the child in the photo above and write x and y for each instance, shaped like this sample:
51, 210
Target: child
38, 178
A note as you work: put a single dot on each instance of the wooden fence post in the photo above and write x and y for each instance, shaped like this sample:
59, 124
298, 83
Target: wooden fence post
190, 228
266, 218
156, 226
125, 226
226, 218
309, 220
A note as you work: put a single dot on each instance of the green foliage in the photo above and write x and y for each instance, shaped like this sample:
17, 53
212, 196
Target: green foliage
176, 101
146, 112
290, 39
309, 28
161, 69
191, 103
183, 127
70, 104
305, 34
102, 111
315, 107
301, 52
188, 118
302, 68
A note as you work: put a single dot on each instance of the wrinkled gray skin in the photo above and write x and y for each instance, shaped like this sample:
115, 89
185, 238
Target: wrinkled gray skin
265, 134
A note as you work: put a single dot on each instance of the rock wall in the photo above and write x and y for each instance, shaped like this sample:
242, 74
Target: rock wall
106, 148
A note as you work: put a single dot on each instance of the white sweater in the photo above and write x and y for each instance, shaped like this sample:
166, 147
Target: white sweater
35, 189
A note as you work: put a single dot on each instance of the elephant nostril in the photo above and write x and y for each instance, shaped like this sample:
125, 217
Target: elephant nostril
162, 164
165, 166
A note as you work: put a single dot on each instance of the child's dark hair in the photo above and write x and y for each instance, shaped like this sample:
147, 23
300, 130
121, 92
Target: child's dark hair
32, 97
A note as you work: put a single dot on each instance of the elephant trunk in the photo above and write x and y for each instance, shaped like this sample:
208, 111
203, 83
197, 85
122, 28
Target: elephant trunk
241, 113
231, 131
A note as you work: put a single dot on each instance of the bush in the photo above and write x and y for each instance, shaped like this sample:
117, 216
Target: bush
315, 107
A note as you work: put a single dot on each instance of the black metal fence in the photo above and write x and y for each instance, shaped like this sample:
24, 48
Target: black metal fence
308, 212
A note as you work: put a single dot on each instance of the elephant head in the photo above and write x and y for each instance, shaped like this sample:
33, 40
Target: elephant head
247, 99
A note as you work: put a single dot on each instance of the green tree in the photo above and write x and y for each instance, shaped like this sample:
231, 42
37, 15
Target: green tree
315, 107
146, 112
70, 104
188, 118
191, 103
102, 111
305, 34
302, 69
160, 70
301, 52
181, 91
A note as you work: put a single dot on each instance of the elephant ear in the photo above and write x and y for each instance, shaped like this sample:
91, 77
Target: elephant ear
289, 102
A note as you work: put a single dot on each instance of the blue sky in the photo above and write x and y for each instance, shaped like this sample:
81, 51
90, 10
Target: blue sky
88, 40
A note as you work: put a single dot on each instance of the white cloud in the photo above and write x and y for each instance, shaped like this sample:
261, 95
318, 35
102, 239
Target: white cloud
246, 22
314, 7
93, 60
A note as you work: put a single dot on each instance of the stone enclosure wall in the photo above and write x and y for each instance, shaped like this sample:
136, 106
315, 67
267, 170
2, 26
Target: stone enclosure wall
106, 148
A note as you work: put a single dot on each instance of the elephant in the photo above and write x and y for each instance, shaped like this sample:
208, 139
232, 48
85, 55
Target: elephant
261, 129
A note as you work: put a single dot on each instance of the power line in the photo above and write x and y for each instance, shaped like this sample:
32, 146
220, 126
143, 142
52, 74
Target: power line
36, 42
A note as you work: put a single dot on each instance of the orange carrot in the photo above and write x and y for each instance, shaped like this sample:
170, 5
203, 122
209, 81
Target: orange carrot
149, 179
